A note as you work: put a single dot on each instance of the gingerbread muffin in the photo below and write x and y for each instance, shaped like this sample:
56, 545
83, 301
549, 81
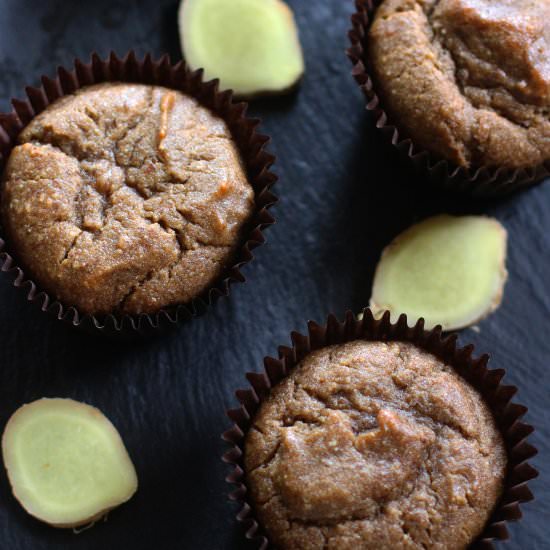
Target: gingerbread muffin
125, 198
373, 445
468, 80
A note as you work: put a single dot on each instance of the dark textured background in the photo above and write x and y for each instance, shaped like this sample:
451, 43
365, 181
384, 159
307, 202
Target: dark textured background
343, 197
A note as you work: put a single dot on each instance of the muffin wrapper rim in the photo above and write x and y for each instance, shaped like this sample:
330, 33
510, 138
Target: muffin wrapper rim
148, 70
487, 381
482, 182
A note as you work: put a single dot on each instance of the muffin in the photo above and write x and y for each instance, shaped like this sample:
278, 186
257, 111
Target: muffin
374, 445
468, 80
125, 198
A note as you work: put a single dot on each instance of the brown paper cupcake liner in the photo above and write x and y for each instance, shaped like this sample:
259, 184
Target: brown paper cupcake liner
482, 182
161, 72
487, 381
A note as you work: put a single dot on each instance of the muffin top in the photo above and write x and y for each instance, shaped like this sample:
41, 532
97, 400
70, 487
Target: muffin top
467, 79
374, 445
125, 198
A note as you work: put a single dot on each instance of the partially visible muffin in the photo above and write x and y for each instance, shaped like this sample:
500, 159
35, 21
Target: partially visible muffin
125, 198
466, 79
374, 445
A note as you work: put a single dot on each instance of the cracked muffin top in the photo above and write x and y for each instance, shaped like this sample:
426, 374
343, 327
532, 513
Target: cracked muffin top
376, 446
125, 198
467, 79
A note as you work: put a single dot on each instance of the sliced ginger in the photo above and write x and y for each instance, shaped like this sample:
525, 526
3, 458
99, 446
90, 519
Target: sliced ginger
66, 462
449, 270
252, 46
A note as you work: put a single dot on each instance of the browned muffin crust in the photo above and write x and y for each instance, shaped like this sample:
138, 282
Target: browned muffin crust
125, 197
467, 79
374, 445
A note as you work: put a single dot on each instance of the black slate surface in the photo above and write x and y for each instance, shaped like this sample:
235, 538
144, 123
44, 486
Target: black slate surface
343, 197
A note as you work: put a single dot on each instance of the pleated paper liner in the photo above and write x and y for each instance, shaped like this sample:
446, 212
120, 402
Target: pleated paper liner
487, 381
160, 72
481, 182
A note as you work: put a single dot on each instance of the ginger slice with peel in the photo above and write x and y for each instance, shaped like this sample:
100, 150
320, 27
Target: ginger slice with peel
252, 46
449, 270
66, 462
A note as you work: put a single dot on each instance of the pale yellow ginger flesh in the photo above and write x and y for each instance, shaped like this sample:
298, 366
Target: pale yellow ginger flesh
449, 270
66, 462
252, 46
